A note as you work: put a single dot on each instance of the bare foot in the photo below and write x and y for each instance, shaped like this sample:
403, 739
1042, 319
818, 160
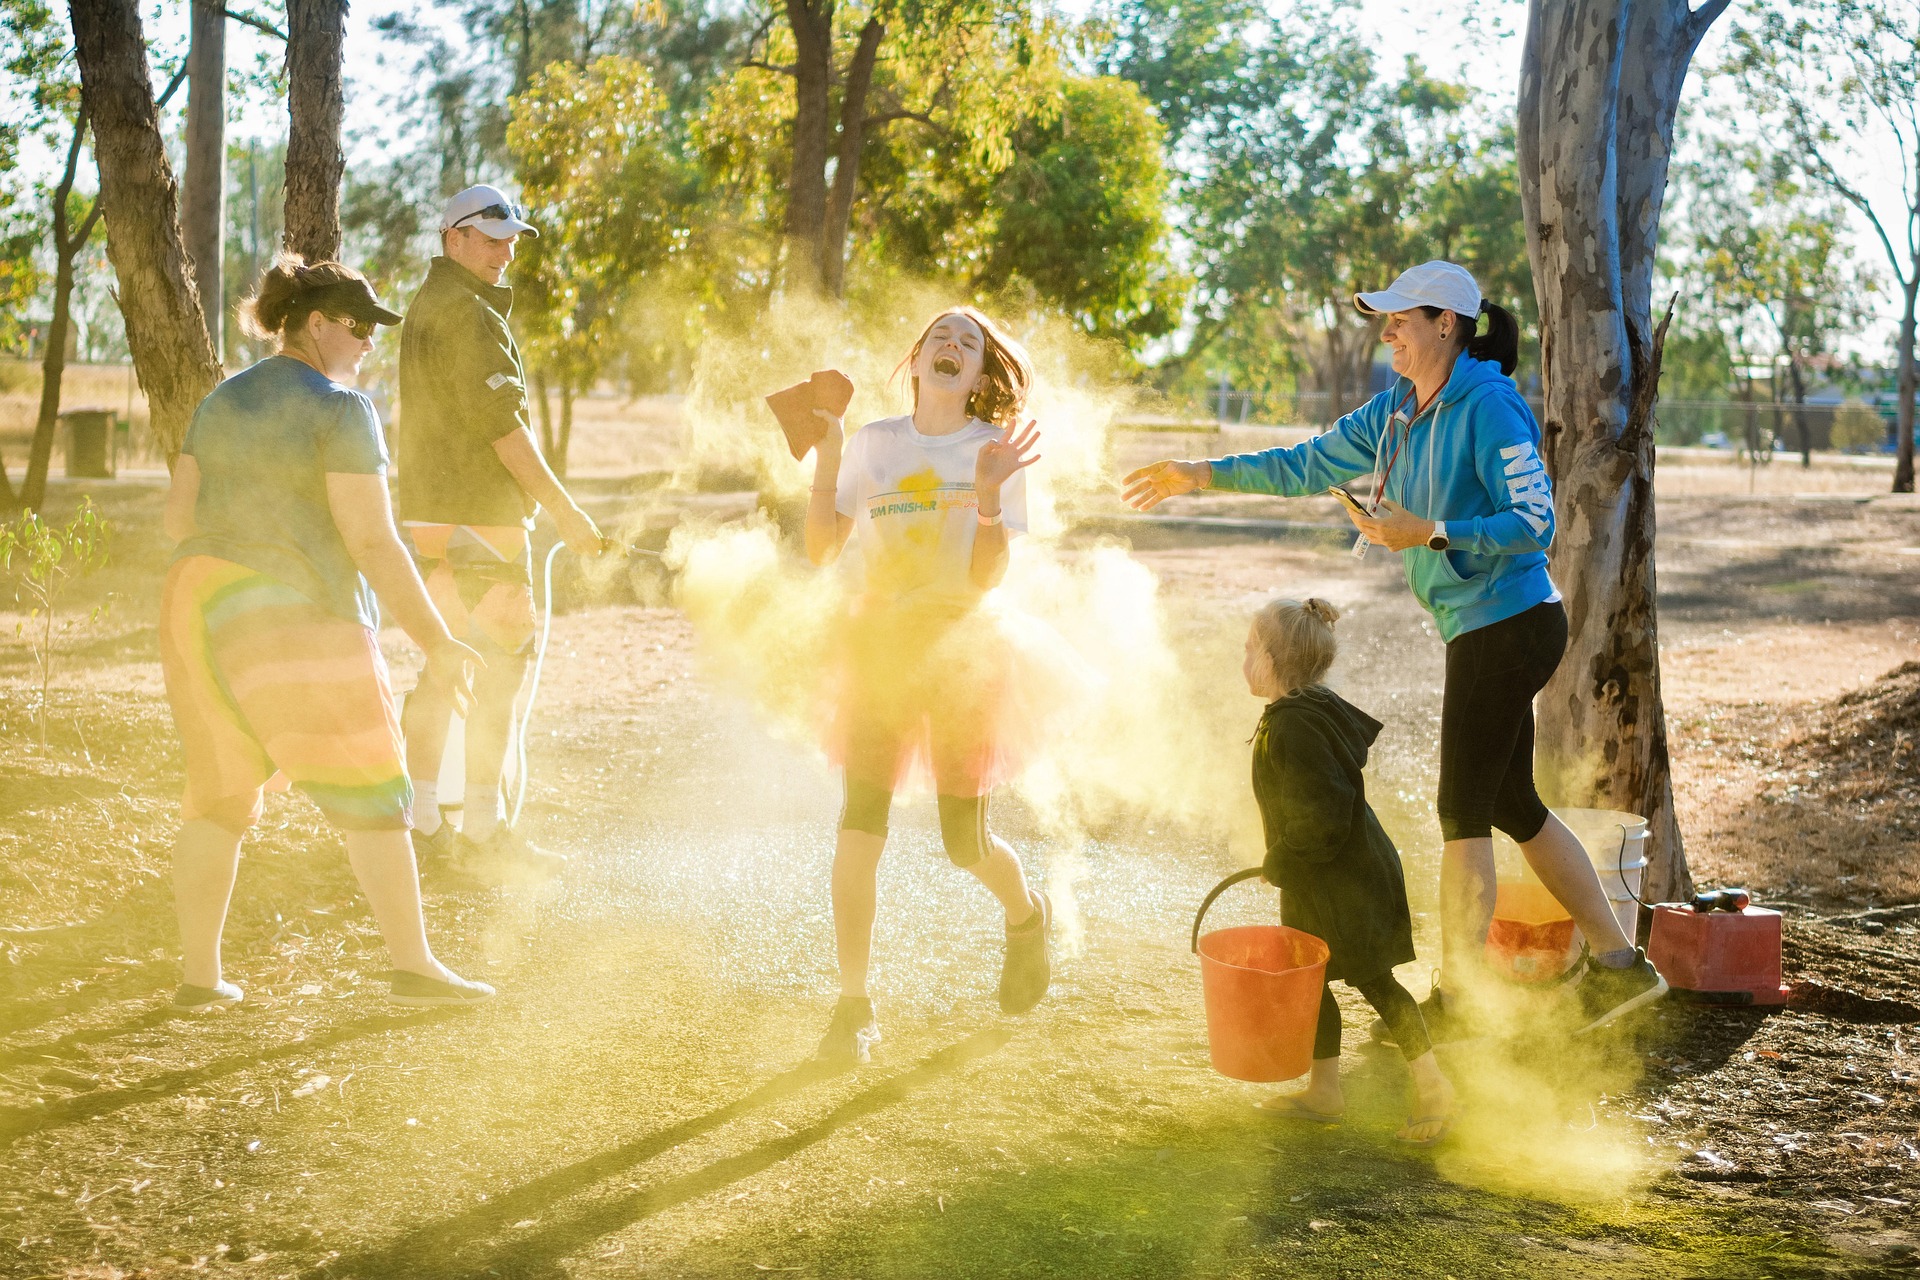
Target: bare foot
1432, 1110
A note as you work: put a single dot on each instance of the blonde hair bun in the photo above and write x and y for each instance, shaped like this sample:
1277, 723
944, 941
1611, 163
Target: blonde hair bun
1322, 610
1298, 637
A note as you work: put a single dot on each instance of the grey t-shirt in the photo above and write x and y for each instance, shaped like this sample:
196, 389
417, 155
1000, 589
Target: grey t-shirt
265, 440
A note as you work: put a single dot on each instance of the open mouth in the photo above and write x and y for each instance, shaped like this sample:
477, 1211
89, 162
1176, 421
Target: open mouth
946, 366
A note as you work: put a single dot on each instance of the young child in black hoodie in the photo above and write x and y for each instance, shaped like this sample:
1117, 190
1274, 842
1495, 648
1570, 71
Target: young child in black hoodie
1338, 873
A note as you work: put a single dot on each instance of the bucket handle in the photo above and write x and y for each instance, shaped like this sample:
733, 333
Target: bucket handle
1245, 873
1620, 867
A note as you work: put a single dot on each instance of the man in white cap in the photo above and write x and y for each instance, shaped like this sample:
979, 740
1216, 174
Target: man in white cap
471, 477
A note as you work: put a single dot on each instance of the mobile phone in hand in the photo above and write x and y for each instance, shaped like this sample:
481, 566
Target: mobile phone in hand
1347, 500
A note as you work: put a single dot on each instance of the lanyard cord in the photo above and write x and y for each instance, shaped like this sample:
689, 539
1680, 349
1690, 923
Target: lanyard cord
1380, 494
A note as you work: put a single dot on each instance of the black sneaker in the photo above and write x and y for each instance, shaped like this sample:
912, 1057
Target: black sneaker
1026, 972
192, 999
504, 855
435, 850
417, 991
1605, 994
852, 1033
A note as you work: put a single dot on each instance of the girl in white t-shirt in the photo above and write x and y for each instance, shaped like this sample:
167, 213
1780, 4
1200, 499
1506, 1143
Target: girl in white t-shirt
930, 500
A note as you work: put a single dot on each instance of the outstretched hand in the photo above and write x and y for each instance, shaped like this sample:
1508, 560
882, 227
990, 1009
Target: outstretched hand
1146, 488
999, 459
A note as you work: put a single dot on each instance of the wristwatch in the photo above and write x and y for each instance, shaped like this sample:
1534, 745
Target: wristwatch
1438, 540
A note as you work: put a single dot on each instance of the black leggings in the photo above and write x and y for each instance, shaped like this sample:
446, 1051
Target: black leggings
1391, 1001
1486, 724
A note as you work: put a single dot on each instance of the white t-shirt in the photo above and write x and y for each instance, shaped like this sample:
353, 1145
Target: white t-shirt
914, 510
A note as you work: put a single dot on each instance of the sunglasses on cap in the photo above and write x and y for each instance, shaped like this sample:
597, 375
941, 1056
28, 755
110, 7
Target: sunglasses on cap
494, 213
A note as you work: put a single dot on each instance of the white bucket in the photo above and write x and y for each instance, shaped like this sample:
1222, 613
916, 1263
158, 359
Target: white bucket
1616, 845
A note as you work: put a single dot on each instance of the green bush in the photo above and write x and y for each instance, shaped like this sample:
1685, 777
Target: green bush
1857, 425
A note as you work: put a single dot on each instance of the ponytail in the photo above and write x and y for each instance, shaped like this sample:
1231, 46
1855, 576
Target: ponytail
1501, 342
289, 291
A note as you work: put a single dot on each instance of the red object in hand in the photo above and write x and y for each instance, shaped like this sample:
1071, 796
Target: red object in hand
1723, 957
793, 407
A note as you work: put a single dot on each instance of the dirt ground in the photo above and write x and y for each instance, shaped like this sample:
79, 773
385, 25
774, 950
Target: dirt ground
637, 1101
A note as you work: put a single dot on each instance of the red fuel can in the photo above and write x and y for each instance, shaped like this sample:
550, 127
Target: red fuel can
1725, 957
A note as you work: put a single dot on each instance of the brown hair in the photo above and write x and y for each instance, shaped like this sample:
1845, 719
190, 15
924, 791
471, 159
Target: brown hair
1004, 364
289, 291
1298, 637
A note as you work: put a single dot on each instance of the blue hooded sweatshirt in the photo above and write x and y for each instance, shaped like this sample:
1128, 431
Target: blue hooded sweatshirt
1471, 462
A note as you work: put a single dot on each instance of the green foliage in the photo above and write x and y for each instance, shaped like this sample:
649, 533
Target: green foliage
597, 164
1077, 218
1306, 177
41, 559
1857, 425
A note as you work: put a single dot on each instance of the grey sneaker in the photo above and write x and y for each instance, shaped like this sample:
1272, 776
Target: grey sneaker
505, 855
417, 991
1025, 973
1605, 994
851, 1034
192, 999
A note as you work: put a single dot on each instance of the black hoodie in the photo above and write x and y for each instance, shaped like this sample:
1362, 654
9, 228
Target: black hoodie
1338, 872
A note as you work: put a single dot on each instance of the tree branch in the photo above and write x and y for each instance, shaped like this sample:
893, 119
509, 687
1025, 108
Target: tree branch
888, 117
258, 24
173, 86
1702, 18
786, 70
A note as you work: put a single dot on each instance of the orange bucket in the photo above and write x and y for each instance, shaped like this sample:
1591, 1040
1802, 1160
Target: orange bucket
1262, 985
1531, 937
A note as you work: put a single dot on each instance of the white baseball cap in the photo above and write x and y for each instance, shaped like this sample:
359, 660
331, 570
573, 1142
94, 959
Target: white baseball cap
1431, 284
487, 209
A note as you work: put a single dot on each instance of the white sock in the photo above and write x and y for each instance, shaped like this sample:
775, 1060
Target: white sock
426, 806
482, 811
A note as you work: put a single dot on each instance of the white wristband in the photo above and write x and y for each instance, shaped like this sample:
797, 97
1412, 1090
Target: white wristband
990, 520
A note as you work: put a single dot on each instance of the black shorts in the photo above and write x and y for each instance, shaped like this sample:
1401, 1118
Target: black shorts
1486, 724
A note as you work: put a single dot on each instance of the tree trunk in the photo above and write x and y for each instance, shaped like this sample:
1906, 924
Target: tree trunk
166, 330
1801, 426
559, 458
1600, 82
812, 23
545, 410
67, 243
1903, 428
846, 169
315, 103
203, 203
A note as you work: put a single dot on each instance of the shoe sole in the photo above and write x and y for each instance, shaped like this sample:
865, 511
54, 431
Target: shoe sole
1625, 1007
435, 1002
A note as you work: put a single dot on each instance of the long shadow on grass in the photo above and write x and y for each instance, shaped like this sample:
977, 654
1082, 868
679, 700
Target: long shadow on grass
17, 1123
480, 1241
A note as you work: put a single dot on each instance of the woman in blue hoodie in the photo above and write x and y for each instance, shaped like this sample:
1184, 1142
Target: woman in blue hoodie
1462, 494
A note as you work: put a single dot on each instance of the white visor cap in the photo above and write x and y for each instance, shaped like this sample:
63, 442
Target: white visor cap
486, 209
1431, 284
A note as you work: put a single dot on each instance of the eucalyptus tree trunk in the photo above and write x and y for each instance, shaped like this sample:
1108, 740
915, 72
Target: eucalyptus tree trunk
203, 186
806, 224
846, 169
1600, 82
68, 240
166, 329
315, 103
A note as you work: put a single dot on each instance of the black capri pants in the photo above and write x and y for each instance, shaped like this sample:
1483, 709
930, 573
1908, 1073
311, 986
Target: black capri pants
1486, 724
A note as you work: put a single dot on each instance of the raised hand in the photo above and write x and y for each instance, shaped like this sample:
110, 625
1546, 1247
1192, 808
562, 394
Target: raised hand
999, 459
1145, 489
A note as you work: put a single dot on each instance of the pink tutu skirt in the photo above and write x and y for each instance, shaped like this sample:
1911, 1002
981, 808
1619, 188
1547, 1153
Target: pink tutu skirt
964, 698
